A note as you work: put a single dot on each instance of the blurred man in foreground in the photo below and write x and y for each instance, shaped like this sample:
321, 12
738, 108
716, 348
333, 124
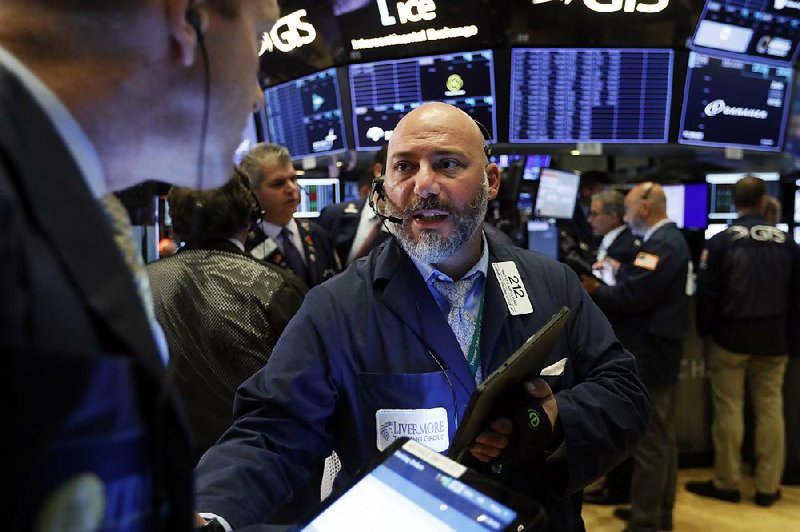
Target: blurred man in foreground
97, 96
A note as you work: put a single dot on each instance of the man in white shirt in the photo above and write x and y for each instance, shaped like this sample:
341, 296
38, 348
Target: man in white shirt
619, 244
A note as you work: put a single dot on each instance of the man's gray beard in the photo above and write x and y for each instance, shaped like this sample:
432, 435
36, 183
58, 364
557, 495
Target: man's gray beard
430, 248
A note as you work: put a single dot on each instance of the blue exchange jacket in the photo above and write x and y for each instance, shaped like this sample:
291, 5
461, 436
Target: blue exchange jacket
367, 342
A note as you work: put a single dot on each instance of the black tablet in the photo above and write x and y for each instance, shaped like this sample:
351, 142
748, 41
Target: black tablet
526, 363
412, 488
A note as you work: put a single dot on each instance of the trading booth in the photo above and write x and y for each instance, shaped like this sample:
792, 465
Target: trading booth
688, 93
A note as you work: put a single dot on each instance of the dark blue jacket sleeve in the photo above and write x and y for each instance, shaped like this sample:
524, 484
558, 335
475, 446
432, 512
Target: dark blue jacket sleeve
605, 413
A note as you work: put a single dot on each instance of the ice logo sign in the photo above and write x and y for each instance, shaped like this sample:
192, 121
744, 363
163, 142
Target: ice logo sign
408, 11
289, 32
627, 6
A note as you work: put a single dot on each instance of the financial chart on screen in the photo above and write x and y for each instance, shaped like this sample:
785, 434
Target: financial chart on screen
590, 95
731, 102
384, 91
765, 29
305, 115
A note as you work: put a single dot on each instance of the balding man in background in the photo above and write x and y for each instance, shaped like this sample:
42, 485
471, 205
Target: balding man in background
97, 96
649, 307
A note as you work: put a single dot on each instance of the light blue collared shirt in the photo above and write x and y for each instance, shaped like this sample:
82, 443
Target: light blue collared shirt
474, 296
78, 144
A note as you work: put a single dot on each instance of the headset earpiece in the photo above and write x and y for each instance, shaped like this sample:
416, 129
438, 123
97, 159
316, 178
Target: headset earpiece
193, 18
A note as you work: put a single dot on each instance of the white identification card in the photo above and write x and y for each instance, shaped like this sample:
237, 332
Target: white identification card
513, 289
427, 426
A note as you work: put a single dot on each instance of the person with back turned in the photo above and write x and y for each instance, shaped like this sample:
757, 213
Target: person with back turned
648, 308
748, 303
221, 309
115, 93
397, 343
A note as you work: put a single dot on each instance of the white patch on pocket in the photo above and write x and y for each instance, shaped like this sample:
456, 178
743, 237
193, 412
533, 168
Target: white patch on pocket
427, 426
554, 370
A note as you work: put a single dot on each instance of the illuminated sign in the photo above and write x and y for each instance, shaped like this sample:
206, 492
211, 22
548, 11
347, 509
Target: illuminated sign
408, 11
720, 107
289, 32
411, 11
613, 6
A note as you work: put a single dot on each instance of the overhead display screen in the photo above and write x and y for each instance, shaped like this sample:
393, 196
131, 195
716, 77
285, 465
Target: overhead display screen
305, 115
383, 92
605, 95
557, 194
763, 29
729, 102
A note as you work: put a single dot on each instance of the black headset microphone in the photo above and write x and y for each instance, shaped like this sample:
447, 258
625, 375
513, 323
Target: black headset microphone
194, 20
378, 188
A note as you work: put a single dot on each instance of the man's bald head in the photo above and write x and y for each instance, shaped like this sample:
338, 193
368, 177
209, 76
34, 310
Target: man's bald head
436, 119
645, 205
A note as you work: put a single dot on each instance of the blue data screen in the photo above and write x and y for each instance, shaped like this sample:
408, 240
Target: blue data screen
606, 95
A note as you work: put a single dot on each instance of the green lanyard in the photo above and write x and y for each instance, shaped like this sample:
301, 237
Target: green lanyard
473, 357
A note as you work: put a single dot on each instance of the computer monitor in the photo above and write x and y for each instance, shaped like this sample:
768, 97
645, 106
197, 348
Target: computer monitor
721, 192
505, 160
736, 103
610, 95
763, 30
557, 194
305, 115
687, 205
351, 192
315, 195
797, 204
543, 237
383, 92
533, 166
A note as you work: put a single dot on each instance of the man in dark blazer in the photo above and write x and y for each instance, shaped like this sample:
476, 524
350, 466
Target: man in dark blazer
618, 246
648, 308
353, 221
301, 246
375, 354
97, 438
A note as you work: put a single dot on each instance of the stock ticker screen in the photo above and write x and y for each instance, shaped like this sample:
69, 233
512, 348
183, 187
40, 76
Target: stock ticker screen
590, 95
762, 29
383, 92
731, 102
305, 115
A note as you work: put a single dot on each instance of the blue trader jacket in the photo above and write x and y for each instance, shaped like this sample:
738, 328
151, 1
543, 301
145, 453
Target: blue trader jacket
371, 346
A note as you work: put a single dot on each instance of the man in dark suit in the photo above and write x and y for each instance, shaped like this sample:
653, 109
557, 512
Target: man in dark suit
97, 438
618, 246
577, 245
648, 308
354, 222
303, 246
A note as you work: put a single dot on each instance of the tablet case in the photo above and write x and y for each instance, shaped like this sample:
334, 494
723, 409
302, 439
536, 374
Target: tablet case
525, 363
